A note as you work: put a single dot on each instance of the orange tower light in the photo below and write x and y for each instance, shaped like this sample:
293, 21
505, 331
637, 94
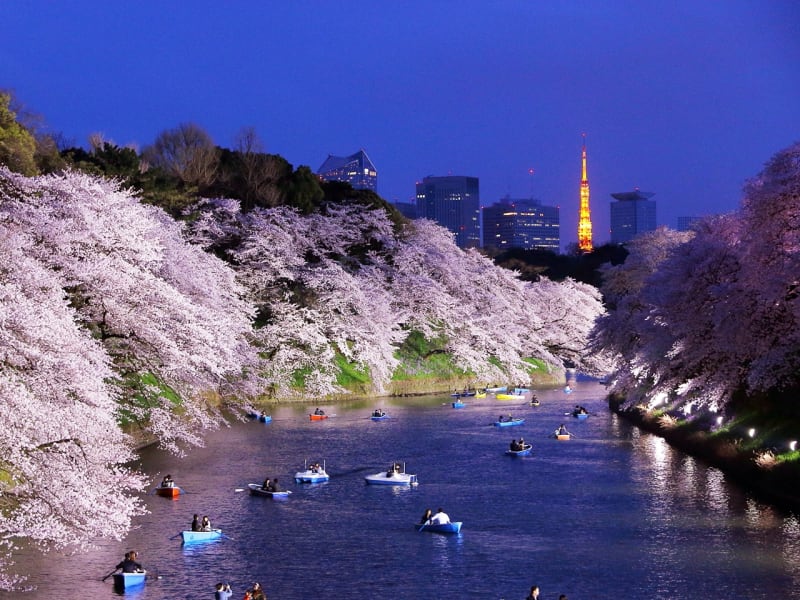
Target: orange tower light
585, 219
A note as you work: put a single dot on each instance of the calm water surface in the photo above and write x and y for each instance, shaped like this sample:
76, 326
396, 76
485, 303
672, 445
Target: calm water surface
614, 513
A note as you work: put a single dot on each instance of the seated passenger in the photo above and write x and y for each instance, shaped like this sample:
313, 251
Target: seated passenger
426, 518
167, 481
205, 524
440, 518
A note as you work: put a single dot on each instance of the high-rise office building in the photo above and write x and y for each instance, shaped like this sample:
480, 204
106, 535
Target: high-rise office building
632, 213
453, 202
521, 224
356, 169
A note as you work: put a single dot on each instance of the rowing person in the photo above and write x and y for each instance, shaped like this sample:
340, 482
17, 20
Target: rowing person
562, 430
440, 518
129, 565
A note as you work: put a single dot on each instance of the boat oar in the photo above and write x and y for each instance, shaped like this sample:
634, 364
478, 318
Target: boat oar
422, 527
110, 574
228, 537
176, 535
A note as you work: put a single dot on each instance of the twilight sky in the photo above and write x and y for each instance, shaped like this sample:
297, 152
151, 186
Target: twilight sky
683, 98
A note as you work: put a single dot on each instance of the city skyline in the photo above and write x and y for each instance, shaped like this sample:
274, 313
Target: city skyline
686, 99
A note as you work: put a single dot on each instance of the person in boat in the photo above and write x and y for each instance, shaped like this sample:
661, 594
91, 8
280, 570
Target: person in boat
522, 443
274, 487
319, 411
265, 485
579, 410
534, 399
500, 419
205, 524
196, 523
440, 518
426, 518
129, 564
257, 592
223, 591
533, 594
513, 446
562, 430
167, 481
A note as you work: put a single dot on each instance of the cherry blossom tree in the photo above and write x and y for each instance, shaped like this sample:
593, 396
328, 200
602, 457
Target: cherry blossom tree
700, 319
353, 282
62, 476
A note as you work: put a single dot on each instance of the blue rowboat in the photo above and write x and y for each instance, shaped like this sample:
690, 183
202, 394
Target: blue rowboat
379, 417
581, 415
257, 490
190, 537
510, 423
129, 580
453, 527
458, 404
521, 390
524, 452
494, 390
260, 417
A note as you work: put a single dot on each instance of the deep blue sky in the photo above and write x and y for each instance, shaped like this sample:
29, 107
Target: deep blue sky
684, 98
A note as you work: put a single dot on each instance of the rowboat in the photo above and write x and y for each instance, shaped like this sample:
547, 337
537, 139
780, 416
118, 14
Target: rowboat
480, 394
379, 417
567, 390
312, 475
168, 491
563, 436
521, 390
510, 423
453, 527
464, 394
260, 417
494, 390
509, 396
317, 417
524, 452
581, 415
191, 537
129, 580
257, 490
535, 402
395, 475
458, 404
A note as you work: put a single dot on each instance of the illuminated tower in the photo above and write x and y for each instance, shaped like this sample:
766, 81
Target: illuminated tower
585, 219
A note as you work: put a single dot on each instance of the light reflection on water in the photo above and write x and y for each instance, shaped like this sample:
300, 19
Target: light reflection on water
614, 513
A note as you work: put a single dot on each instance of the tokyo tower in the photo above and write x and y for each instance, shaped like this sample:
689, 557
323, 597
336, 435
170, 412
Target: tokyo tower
585, 219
